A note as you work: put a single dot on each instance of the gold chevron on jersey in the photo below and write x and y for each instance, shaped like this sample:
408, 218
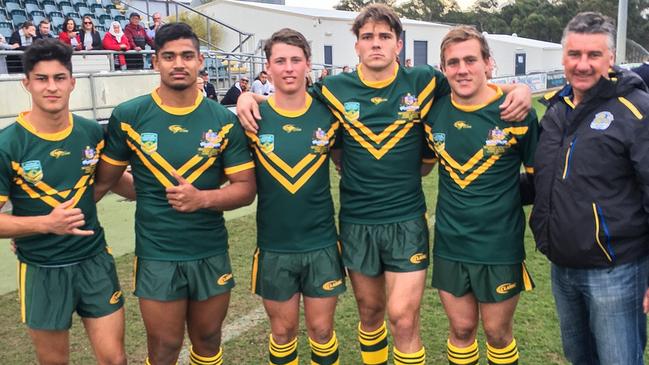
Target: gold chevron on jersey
136, 145
291, 177
396, 131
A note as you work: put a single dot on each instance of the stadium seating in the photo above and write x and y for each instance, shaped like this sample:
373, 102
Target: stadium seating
50, 8
84, 10
31, 8
36, 19
3, 16
9, 7
6, 28
18, 17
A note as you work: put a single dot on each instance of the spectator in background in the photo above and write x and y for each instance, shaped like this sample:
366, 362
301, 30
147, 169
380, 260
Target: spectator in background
157, 22
261, 85
347, 69
3, 60
43, 31
235, 91
209, 89
20, 40
115, 40
90, 38
408, 63
200, 85
137, 39
70, 34
324, 73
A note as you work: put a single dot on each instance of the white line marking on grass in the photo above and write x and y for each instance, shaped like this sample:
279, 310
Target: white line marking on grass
231, 331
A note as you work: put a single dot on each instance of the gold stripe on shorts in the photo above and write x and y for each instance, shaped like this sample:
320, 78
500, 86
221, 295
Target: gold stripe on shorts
134, 272
22, 275
255, 268
527, 279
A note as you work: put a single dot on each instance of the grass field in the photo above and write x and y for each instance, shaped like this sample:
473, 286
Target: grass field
246, 329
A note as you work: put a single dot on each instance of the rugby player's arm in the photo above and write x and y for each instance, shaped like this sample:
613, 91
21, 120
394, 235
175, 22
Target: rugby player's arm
518, 102
248, 110
241, 191
113, 177
63, 219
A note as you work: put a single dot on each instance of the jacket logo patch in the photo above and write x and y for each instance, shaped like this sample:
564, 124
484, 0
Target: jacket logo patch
267, 142
461, 125
114, 299
418, 258
505, 288
33, 171
149, 142
224, 279
331, 285
290, 128
352, 110
177, 129
58, 153
601, 121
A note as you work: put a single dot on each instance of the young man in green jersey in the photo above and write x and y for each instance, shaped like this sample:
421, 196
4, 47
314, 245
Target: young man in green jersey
47, 168
297, 252
383, 229
478, 255
179, 144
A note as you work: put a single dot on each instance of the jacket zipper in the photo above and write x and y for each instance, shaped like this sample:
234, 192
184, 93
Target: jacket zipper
599, 219
569, 152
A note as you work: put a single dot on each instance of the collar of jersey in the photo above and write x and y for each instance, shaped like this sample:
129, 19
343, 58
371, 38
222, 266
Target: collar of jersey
57, 136
472, 108
176, 110
377, 84
290, 113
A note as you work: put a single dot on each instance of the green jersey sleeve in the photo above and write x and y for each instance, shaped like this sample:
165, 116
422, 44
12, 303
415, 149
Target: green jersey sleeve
529, 141
6, 175
236, 156
116, 151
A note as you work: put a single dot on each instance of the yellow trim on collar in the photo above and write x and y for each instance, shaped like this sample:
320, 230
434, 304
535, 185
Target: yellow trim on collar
472, 108
177, 110
58, 136
290, 113
378, 84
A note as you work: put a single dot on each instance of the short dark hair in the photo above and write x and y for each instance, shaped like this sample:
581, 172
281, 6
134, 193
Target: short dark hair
48, 49
377, 13
290, 37
173, 31
27, 24
44, 21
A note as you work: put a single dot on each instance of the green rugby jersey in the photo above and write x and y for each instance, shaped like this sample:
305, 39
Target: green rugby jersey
199, 143
39, 171
479, 216
295, 211
383, 141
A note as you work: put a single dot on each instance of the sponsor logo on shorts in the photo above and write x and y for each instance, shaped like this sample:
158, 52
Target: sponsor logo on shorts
177, 129
115, 298
418, 258
57, 153
224, 279
330, 285
505, 288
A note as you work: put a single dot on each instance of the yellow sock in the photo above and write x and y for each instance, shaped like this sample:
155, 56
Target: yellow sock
326, 353
462, 355
415, 358
374, 345
196, 359
282, 354
507, 355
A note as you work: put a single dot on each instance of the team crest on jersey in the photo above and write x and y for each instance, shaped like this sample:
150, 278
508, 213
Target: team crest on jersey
439, 141
210, 144
601, 121
267, 142
149, 142
496, 142
177, 129
33, 171
89, 160
352, 110
461, 125
377, 100
320, 142
58, 153
409, 107
290, 128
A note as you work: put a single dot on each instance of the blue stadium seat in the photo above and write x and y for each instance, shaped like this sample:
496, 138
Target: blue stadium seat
3, 16
36, 19
123, 23
104, 17
100, 28
45, 2
9, 7
119, 18
50, 8
35, 2
12, 2
106, 3
75, 17
114, 13
36, 13
97, 9
30, 8
66, 9
6, 28
106, 22
79, 3
18, 19
57, 20
83, 10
